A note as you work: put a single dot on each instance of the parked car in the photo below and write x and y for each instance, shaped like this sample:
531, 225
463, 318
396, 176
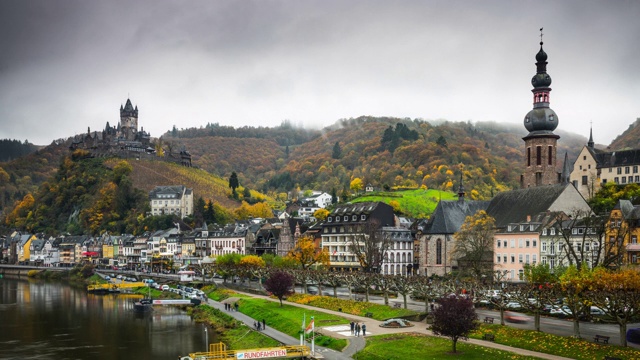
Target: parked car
164, 287
633, 335
513, 305
108, 278
561, 311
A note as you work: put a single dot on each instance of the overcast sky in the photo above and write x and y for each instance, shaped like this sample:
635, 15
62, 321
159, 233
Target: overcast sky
68, 65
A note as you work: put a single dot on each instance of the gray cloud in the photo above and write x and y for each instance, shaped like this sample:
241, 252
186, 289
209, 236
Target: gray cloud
67, 65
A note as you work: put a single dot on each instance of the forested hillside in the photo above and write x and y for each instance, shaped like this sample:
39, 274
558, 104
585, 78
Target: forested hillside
629, 139
12, 149
387, 152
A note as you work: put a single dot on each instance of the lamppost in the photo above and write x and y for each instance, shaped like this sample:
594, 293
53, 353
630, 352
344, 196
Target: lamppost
206, 339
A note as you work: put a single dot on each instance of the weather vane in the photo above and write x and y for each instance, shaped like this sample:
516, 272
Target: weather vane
541, 35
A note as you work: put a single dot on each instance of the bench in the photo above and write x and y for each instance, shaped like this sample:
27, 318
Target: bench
488, 320
604, 339
369, 315
489, 337
397, 305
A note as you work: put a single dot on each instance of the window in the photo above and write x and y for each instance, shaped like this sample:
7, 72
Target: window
552, 249
538, 155
544, 246
363, 217
630, 179
634, 239
439, 252
550, 155
504, 258
513, 243
584, 180
619, 171
520, 258
354, 218
329, 219
526, 259
627, 170
584, 157
513, 259
544, 231
504, 243
534, 258
498, 258
543, 259
527, 243
553, 231
499, 241
535, 243
616, 180
635, 169
520, 243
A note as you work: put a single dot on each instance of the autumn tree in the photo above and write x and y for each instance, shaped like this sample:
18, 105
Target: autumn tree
454, 318
617, 293
306, 254
356, 185
383, 283
474, 245
370, 245
321, 214
573, 284
252, 266
279, 283
403, 285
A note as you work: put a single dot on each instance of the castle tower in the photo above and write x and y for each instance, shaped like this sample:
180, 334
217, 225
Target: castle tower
541, 142
128, 121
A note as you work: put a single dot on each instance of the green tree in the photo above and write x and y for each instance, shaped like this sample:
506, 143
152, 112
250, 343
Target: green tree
233, 181
337, 151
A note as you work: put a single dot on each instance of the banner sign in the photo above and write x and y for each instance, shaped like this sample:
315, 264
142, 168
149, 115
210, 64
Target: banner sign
261, 354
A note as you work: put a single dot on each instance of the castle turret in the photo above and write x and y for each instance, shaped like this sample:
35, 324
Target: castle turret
541, 142
128, 121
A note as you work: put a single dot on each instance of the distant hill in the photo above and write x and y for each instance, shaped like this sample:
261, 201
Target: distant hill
431, 154
629, 139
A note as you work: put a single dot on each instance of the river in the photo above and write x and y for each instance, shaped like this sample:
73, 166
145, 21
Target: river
51, 320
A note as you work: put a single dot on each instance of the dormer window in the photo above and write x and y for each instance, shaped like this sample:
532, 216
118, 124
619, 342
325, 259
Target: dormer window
329, 219
354, 218
363, 217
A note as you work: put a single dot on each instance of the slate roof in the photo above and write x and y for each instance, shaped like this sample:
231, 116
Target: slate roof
357, 208
450, 214
176, 191
514, 206
618, 158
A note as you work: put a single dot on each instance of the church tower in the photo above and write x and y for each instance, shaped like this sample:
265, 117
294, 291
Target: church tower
541, 142
128, 121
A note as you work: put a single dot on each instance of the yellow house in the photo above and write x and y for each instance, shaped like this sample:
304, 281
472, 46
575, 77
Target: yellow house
24, 248
622, 232
107, 251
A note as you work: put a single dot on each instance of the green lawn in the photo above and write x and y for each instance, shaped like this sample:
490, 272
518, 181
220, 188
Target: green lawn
360, 308
414, 203
288, 319
417, 346
552, 344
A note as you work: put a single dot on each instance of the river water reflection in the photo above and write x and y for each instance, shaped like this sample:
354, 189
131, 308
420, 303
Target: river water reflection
49, 320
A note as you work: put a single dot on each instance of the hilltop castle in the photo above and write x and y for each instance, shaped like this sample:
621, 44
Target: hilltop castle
125, 140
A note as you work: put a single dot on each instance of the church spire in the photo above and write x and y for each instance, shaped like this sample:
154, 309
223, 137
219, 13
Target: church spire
590, 144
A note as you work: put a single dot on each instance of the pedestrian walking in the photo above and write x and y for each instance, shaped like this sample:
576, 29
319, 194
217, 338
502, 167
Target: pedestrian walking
353, 327
357, 329
364, 329
236, 306
259, 326
255, 325
264, 324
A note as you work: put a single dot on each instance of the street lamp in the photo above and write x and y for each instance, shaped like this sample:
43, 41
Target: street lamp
206, 339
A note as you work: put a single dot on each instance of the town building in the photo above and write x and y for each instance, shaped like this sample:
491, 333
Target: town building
399, 257
349, 224
166, 200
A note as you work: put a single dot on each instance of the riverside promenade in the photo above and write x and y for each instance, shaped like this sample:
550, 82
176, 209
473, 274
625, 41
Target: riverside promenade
358, 343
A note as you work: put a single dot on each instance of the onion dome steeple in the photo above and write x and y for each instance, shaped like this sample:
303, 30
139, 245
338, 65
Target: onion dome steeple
542, 120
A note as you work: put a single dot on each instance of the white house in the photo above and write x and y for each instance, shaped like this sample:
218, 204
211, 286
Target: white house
171, 200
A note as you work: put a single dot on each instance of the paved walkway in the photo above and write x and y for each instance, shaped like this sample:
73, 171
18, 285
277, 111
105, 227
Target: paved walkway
356, 344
